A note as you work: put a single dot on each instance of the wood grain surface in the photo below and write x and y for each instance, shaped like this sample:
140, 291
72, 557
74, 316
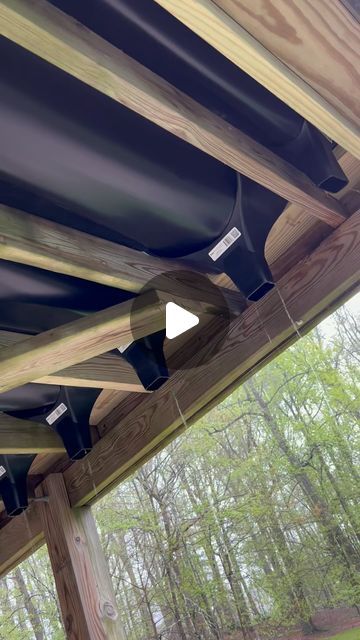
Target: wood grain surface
310, 290
319, 41
296, 233
106, 371
59, 39
88, 610
77, 341
20, 537
305, 52
23, 436
34, 241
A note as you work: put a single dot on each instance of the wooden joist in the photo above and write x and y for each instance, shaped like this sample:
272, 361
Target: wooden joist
23, 436
65, 346
310, 290
306, 53
37, 242
296, 233
106, 371
45, 31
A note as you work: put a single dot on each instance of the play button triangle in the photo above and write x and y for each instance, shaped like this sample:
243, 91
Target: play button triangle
178, 320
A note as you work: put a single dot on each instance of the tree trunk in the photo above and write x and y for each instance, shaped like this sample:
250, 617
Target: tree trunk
32, 612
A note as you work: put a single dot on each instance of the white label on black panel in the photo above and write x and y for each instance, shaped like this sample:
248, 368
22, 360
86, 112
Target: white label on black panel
55, 415
224, 244
2, 470
124, 347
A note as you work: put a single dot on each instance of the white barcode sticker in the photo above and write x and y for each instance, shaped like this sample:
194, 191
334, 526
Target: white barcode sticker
224, 244
124, 347
2, 470
55, 415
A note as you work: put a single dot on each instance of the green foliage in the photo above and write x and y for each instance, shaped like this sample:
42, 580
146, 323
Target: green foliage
351, 634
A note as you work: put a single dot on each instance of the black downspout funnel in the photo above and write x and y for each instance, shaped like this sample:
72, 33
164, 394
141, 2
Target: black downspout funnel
13, 482
240, 251
147, 357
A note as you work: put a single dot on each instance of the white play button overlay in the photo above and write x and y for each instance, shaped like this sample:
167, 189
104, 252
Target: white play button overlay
178, 320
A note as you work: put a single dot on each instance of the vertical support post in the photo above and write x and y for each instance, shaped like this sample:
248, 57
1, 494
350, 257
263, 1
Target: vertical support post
83, 582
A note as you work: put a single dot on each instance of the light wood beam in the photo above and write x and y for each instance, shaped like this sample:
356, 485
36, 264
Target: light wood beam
296, 233
65, 346
59, 39
310, 290
23, 436
82, 578
304, 52
20, 537
37, 242
106, 371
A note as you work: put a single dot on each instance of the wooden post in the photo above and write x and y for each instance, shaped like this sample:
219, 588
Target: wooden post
82, 578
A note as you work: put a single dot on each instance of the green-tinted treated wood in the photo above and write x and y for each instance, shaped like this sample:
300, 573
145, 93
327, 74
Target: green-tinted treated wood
106, 371
310, 290
104, 586
59, 39
40, 243
22, 436
19, 538
77, 341
83, 583
304, 52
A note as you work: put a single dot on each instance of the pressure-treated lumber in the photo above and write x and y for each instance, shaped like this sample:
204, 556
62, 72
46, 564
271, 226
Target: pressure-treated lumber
59, 39
296, 233
354, 7
106, 371
53, 350
23, 436
310, 290
304, 52
37, 242
82, 579
20, 537
319, 41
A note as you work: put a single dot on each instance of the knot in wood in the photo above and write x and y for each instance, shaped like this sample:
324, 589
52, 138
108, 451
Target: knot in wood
109, 611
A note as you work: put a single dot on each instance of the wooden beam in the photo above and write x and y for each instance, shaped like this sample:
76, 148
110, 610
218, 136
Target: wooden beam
353, 6
106, 371
296, 233
306, 53
37, 242
22, 436
59, 39
82, 578
309, 290
19, 538
77, 341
